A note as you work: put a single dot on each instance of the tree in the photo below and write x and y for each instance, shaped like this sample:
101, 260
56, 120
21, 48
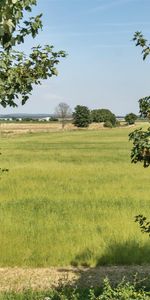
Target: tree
63, 111
81, 116
19, 72
130, 118
103, 115
141, 138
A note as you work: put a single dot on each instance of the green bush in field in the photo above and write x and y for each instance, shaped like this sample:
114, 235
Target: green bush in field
103, 115
130, 118
81, 116
108, 124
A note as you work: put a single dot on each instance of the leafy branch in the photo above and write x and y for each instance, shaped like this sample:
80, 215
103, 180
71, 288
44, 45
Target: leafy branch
141, 146
143, 223
142, 42
18, 72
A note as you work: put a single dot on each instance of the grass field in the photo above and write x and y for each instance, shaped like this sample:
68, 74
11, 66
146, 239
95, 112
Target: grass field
71, 198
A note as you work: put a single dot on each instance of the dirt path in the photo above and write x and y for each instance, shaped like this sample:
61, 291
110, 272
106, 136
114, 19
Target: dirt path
19, 279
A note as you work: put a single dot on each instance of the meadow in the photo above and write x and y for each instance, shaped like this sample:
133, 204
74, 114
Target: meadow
70, 198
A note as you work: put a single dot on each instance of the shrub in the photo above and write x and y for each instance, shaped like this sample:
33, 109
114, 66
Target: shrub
81, 116
124, 291
130, 118
108, 124
53, 119
103, 115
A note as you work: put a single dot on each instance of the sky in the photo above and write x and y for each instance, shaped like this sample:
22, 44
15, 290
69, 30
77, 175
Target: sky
103, 68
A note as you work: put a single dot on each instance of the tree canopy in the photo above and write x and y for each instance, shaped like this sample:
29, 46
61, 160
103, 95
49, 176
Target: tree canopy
81, 116
130, 118
103, 115
19, 72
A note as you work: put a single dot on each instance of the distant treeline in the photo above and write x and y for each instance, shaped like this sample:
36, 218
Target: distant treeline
82, 116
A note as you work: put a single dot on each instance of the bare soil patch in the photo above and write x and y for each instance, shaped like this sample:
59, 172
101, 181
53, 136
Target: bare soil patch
19, 279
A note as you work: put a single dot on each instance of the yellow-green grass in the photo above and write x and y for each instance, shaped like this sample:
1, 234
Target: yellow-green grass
71, 198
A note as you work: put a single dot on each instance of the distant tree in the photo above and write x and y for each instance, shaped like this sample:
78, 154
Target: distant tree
63, 111
53, 119
130, 118
81, 116
103, 115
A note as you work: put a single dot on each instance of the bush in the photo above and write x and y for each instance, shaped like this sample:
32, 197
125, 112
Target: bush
53, 119
103, 115
124, 291
130, 118
81, 116
108, 124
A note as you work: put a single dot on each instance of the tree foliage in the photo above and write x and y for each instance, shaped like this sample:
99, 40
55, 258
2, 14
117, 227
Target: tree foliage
143, 223
130, 118
19, 72
103, 115
141, 138
141, 146
12, 32
141, 41
81, 116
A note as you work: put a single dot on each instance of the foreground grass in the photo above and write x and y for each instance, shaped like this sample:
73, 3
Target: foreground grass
71, 198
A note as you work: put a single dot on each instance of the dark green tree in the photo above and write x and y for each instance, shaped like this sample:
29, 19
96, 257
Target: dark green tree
130, 118
81, 116
18, 71
103, 115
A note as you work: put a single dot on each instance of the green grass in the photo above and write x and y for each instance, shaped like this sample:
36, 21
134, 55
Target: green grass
71, 198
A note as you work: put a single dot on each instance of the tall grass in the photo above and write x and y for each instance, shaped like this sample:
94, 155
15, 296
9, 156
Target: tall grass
71, 198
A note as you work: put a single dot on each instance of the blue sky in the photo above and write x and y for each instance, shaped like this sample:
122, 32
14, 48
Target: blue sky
103, 68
